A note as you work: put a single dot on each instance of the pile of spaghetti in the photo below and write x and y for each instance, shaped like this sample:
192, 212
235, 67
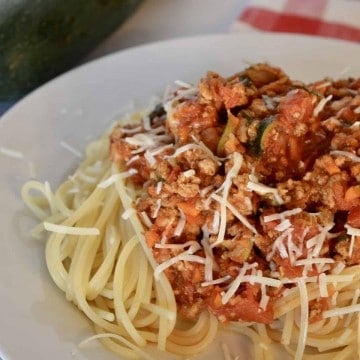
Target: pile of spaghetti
233, 204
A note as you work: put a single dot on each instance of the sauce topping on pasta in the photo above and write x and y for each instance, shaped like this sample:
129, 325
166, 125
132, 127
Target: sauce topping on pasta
251, 182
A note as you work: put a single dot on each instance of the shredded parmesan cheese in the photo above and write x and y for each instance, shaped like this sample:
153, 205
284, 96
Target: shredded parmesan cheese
71, 149
225, 187
130, 131
282, 215
262, 280
348, 154
146, 219
132, 159
160, 149
262, 189
235, 284
324, 84
351, 230
352, 243
215, 223
285, 224
183, 84
185, 256
341, 311
264, 298
189, 173
279, 246
322, 286
159, 186
320, 106
181, 224
141, 139
116, 177
156, 210
189, 147
11, 153
241, 277
150, 158
334, 298
312, 261
209, 261
216, 281
315, 244
237, 214
205, 190
146, 123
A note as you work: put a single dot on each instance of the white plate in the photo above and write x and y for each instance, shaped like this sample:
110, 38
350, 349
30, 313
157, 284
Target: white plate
35, 320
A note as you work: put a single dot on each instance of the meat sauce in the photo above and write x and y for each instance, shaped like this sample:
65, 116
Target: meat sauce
291, 192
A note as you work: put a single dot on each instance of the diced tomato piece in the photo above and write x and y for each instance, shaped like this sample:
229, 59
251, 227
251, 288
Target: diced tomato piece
353, 218
352, 193
151, 237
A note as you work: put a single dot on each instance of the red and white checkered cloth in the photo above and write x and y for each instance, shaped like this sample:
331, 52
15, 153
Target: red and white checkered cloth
330, 18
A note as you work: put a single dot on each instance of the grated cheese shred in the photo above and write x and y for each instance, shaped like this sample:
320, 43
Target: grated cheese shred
185, 256
181, 224
225, 187
323, 286
71, 149
16, 154
262, 189
242, 277
348, 154
115, 178
320, 106
216, 281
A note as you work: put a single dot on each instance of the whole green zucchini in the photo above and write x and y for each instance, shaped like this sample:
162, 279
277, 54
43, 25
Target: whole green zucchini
40, 39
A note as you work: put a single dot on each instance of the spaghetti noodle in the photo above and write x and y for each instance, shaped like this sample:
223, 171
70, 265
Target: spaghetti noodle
234, 204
